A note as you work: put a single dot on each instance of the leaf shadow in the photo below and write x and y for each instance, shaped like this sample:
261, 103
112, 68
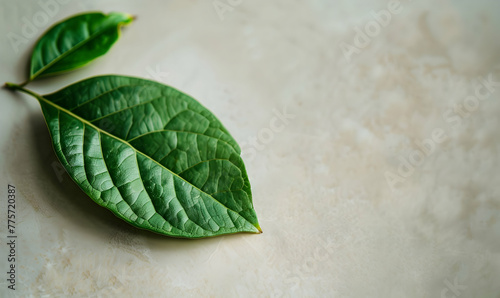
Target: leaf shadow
58, 195
52, 192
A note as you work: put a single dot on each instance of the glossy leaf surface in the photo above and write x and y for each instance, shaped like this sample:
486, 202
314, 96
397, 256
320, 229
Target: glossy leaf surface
75, 42
152, 155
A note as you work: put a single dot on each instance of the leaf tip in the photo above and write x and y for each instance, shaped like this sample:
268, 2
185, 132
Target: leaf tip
128, 18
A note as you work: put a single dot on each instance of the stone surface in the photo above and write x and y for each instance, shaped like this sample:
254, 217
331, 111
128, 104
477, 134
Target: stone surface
345, 211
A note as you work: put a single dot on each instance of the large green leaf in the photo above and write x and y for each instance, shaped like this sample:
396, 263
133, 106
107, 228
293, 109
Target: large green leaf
75, 42
152, 155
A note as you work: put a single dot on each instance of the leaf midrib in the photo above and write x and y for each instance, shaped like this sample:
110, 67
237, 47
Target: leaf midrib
70, 51
85, 122
234, 146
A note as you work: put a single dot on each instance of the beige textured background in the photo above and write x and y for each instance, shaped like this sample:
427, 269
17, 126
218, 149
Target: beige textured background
333, 227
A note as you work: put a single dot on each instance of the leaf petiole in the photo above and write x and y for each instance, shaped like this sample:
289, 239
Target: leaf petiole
25, 83
16, 87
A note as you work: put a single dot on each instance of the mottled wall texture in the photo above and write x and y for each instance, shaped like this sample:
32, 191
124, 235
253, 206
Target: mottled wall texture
369, 131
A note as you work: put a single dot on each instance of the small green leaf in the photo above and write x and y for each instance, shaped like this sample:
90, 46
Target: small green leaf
152, 155
75, 42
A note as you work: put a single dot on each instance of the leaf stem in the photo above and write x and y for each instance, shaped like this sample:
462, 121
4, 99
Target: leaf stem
16, 87
24, 83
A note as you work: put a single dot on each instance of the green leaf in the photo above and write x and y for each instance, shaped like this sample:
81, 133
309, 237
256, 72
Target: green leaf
75, 42
152, 155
